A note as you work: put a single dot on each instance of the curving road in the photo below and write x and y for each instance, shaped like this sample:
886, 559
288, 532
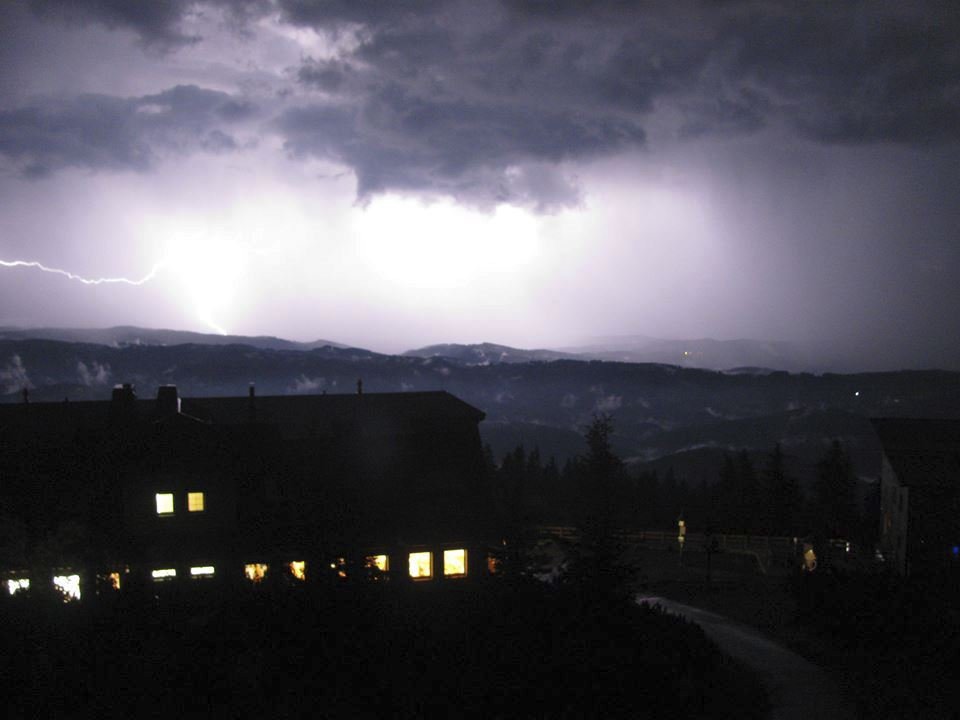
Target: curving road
797, 688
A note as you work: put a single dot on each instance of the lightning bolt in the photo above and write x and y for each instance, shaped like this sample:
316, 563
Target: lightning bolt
79, 278
204, 315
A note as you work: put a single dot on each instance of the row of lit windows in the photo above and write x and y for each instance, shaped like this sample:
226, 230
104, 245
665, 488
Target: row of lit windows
199, 571
67, 585
165, 504
419, 567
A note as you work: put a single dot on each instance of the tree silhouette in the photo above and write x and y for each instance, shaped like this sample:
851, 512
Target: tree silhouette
835, 493
595, 565
782, 499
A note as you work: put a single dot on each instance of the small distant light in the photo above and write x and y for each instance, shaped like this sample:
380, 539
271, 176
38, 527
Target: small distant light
857, 393
956, 550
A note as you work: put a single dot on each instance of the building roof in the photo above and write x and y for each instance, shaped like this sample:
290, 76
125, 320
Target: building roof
922, 452
396, 410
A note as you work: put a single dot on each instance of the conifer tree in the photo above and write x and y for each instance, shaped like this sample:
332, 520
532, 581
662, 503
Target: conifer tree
835, 493
783, 501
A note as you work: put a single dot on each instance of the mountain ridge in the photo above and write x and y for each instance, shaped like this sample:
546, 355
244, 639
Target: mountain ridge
121, 335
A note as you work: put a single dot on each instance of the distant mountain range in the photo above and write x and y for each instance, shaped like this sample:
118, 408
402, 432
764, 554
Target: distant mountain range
488, 354
124, 335
699, 353
664, 415
734, 355
749, 356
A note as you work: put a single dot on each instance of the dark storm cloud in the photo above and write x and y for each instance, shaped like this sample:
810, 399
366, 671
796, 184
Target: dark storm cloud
370, 13
855, 73
326, 75
483, 152
105, 132
498, 100
452, 98
158, 23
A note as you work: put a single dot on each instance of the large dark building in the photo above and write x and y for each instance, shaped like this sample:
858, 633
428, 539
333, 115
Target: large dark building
243, 489
920, 494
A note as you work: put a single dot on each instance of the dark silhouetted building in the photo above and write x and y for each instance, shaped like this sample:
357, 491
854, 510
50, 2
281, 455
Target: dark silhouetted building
221, 490
920, 494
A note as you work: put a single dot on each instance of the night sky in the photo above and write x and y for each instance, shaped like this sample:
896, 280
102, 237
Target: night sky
393, 174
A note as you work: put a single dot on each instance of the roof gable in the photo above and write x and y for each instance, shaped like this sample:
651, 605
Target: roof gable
922, 452
393, 410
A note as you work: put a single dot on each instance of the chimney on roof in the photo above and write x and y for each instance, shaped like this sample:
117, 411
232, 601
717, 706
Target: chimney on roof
122, 400
123, 393
359, 386
26, 395
252, 402
168, 401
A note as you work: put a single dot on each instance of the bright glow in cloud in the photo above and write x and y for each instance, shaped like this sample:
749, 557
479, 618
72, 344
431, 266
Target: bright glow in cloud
440, 246
214, 258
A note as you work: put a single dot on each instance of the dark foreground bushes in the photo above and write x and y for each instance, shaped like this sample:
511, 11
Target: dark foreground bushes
898, 640
524, 650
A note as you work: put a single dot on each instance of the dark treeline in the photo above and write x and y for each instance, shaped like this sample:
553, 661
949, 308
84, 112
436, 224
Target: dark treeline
753, 494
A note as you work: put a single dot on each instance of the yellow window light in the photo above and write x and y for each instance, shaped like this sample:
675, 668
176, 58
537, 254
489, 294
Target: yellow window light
421, 565
455, 562
164, 574
255, 572
380, 562
164, 503
202, 571
195, 501
298, 568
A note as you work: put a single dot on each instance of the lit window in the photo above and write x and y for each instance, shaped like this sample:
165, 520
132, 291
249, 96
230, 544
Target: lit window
298, 568
164, 503
17, 584
202, 571
68, 585
376, 567
455, 563
164, 574
195, 502
421, 565
255, 572
109, 580
379, 562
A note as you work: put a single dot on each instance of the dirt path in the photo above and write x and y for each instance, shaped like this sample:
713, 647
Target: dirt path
797, 688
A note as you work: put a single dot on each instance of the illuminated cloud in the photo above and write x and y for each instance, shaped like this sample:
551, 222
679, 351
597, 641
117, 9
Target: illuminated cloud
405, 173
